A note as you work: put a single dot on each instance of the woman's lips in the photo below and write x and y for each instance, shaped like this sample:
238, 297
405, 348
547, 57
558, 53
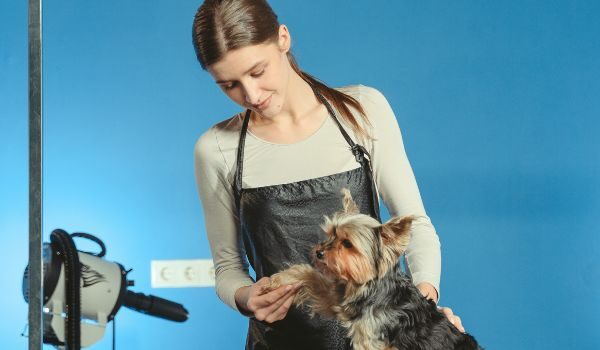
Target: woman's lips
265, 103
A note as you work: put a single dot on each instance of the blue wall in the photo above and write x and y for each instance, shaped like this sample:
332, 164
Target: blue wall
498, 104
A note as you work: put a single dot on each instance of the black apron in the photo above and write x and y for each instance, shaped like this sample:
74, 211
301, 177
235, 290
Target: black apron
280, 226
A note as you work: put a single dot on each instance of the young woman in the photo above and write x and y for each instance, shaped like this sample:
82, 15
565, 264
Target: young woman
268, 175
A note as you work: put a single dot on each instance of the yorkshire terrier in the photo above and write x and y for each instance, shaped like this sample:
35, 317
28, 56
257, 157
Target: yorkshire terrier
357, 280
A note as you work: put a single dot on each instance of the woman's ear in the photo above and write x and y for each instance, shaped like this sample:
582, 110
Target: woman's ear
285, 40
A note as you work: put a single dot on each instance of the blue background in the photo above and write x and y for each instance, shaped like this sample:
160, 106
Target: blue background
498, 102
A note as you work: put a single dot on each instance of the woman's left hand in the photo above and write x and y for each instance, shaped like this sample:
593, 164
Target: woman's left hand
430, 292
454, 319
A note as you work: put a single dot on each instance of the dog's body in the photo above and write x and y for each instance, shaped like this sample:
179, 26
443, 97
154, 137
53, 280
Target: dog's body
357, 281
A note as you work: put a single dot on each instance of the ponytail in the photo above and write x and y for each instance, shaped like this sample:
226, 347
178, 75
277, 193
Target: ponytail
339, 99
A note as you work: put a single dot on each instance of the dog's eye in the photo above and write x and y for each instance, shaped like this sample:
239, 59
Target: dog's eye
347, 244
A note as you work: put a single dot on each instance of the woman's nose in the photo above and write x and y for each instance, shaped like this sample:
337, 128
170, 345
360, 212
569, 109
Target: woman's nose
252, 94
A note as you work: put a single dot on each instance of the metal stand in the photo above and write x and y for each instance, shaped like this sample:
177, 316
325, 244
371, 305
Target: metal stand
35, 175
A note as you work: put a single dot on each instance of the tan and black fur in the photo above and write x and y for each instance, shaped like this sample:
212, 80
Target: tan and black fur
356, 280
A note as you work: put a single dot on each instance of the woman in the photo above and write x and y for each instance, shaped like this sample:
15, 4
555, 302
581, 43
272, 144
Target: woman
267, 176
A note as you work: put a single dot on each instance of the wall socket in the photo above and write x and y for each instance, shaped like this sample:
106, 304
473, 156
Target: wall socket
182, 273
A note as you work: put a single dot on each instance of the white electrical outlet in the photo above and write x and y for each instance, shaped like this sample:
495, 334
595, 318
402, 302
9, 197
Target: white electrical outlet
182, 273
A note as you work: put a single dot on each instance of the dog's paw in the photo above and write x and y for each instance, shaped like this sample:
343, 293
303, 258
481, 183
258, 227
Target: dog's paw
295, 274
274, 283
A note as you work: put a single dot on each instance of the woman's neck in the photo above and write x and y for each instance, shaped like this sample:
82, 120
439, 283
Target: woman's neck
302, 115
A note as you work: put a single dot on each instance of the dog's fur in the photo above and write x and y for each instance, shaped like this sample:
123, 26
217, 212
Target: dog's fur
357, 281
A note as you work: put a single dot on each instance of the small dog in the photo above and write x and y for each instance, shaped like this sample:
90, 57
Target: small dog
357, 281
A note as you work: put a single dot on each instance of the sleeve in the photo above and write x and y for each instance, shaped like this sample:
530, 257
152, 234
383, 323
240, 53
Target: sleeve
221, 220
398, 189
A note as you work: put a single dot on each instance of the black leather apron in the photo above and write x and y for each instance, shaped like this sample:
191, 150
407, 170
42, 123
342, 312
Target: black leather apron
280, 226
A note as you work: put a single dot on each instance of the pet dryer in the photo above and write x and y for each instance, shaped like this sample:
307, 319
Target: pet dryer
83, 292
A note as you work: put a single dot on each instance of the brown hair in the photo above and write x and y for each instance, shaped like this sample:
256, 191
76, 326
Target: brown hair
224, 25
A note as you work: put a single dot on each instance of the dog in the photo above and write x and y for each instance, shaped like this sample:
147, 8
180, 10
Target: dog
357, 280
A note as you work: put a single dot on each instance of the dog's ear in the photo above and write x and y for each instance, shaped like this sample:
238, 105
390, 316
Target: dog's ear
395, 233
349, 205
326, 225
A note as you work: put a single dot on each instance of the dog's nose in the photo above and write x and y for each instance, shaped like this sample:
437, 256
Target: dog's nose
320, 254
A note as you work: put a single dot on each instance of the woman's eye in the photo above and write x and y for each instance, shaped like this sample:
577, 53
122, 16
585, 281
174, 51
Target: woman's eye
347, 244
255, 75
229, 87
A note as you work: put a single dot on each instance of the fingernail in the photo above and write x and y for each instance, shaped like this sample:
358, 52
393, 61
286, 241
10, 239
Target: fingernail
289, 287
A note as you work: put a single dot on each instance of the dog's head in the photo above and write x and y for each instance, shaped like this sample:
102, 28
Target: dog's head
358, 248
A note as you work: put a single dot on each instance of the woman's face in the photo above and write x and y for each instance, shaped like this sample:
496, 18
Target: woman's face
256, 77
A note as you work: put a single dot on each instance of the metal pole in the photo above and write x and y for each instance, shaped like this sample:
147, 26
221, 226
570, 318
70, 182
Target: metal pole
35, 175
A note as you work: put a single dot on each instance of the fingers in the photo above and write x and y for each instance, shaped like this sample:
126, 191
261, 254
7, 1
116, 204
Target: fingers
282, 308
263, 281
454, 319
273, 306
276, 295
273, 309
259, 298
458, 323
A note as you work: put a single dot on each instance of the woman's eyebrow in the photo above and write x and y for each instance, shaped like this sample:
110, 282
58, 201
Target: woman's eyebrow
246, 72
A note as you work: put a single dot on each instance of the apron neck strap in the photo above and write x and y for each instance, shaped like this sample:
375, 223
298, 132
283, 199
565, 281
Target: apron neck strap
240, 157
359, 153
358, 150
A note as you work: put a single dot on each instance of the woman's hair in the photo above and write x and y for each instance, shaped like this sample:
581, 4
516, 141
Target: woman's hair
224, 25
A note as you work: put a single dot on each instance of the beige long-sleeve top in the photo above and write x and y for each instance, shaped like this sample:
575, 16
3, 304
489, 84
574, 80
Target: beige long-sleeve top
325, 152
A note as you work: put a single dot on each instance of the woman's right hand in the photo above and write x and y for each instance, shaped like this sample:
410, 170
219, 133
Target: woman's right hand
268, 307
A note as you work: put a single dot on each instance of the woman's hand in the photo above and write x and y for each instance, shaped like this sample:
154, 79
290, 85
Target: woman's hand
430, 292
268, 307
454, 319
